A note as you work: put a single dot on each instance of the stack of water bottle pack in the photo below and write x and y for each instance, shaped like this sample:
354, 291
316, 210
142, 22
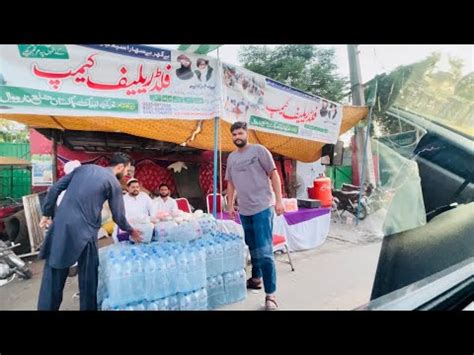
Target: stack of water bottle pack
176, 227
203, 273
225, 262
184, 227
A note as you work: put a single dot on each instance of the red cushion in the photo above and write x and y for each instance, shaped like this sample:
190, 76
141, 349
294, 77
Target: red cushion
183, 205
211, 203
151, 175
206, 178
278, 239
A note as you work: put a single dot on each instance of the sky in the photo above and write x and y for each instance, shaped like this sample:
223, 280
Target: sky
374, 59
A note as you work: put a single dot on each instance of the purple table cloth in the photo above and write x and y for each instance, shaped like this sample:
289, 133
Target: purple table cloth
302, 215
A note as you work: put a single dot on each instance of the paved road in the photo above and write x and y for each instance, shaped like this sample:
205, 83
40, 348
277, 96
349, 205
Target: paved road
337, 275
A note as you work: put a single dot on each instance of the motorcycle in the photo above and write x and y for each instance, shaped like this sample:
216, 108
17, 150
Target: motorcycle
375, 197
369, 188
11, 264
348, 201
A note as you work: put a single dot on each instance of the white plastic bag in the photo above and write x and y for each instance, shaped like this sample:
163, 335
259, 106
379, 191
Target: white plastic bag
231, 227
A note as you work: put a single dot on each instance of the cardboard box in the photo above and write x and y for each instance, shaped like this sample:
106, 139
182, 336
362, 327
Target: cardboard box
309, 203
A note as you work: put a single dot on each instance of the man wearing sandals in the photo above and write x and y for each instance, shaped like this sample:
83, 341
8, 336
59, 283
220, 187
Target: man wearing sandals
250, 169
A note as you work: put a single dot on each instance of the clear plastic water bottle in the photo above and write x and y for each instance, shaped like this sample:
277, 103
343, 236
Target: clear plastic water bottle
129, 307
192, 301
195, 300
235, 286
201, 267
145, 249
193, 268
241, 285
210, 259
127, 281
147, 231
220, 292
183, 273
188, 231
190, 272
202, 299
171, 274
138, 278
229, 287
211, 292
202, 224
165, 304
215, 292
173, 303
140, 306
161, 281
150, 269
107, 305
241, 255
126, 287
171, 232
185, 302
114, 282
227, 255
219, 258
197, 230
207, 224
106, 254
152, 306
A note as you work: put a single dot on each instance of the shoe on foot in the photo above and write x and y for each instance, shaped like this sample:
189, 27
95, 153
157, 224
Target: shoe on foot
254, 284
270, 304
73, 270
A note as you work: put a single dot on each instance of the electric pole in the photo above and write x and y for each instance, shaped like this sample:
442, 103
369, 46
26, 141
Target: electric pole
358, 99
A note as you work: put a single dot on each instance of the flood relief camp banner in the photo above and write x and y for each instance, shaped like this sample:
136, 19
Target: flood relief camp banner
134, 81
130, 81
273, 107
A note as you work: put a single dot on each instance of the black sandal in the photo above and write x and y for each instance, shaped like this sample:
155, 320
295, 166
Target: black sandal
73, 270
254, 285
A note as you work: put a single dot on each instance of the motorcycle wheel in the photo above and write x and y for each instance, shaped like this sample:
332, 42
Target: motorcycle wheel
362, 212
17, 231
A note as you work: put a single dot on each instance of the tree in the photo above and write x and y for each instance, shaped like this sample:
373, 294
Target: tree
424, 89
465, 87
305, 67
12, 132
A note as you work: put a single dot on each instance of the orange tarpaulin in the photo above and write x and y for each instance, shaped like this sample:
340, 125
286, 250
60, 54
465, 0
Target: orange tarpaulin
197, 134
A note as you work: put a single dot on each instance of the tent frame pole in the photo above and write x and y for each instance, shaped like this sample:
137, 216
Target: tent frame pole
216, 146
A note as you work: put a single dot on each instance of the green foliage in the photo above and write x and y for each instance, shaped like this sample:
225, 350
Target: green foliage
305, 67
